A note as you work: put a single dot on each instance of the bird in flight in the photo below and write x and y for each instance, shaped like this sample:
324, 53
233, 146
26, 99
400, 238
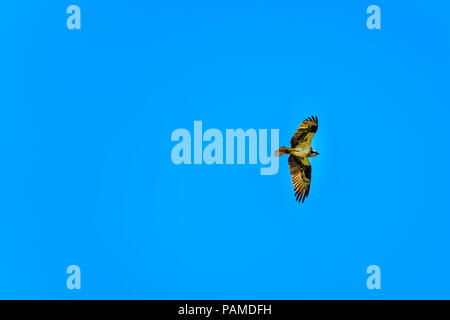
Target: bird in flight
299, 152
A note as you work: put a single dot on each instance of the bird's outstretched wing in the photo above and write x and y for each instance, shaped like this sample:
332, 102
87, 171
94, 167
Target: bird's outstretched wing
305, 132
301, 176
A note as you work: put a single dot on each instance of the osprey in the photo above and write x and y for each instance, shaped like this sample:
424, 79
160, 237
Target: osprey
299, 152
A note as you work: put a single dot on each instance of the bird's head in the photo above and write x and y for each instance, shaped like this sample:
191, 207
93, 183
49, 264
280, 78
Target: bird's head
313, 153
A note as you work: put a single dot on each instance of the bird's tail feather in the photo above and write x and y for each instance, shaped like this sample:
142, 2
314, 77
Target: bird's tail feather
282, 151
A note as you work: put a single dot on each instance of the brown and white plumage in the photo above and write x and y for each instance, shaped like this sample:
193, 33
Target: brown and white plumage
300, 151
300, 170
305, 132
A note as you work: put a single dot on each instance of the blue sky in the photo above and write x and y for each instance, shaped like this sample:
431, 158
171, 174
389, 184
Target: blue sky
86, 176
